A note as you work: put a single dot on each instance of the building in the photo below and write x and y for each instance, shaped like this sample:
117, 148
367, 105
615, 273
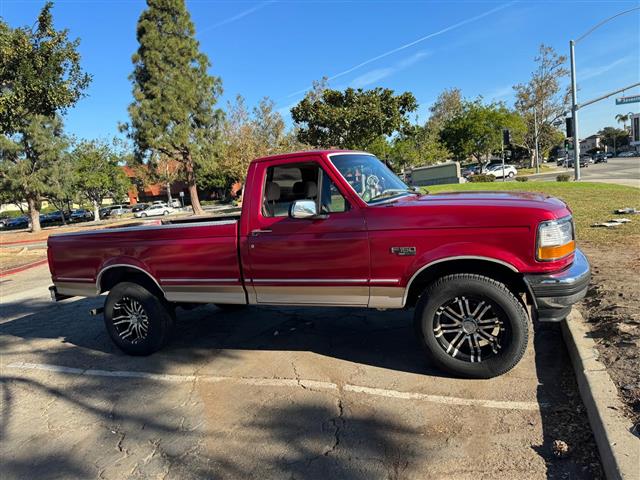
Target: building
635, 131
139, 192
591, 143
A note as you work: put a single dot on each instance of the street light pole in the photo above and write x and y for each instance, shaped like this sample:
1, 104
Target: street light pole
535, 136
574, 112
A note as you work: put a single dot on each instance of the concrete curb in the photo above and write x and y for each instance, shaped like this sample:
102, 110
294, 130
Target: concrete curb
619, 448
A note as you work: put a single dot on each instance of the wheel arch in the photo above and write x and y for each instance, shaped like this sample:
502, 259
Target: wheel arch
490, 267
111, 275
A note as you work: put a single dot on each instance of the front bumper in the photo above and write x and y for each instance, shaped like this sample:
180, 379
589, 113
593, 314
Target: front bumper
554, 293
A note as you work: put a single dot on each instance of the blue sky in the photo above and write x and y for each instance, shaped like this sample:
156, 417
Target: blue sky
277, 48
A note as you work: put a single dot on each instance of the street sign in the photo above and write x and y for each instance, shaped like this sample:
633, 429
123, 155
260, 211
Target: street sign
625, 100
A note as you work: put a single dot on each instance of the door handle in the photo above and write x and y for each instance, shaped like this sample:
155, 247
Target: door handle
257, 232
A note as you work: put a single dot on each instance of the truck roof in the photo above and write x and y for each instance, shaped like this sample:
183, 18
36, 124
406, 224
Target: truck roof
306, 152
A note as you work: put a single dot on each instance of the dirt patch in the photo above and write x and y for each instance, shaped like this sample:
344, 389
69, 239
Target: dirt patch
12, 258
612, 309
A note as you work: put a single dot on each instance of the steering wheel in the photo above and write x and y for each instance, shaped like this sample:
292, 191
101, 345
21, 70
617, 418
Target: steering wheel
373, 181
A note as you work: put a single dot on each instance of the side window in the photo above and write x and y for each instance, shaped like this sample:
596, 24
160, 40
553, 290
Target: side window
288, 183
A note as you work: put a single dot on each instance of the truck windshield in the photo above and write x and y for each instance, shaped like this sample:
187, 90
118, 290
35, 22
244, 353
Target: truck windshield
370, 178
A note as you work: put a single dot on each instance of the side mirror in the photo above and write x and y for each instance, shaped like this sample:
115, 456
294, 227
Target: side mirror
304, 209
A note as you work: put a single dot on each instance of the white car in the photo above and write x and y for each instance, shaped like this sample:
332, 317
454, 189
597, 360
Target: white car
154, 211
496, 170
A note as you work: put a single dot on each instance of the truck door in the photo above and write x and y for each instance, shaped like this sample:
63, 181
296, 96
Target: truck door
306, 261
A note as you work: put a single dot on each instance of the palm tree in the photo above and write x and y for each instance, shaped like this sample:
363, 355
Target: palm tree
623, 118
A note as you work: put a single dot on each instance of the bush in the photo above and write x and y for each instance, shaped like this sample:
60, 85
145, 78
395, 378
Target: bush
563, 177
522, 179
482, 177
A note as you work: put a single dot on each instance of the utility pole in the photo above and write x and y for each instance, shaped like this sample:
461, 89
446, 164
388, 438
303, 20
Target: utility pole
574, 112
504, 179
535, 135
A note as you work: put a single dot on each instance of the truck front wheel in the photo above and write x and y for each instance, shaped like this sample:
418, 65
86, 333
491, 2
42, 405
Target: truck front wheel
138, 321
472, 326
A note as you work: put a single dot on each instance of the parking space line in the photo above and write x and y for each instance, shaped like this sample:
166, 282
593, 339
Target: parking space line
285, 382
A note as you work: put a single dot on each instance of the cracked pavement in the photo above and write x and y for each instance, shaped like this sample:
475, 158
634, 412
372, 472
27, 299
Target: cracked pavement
270, 393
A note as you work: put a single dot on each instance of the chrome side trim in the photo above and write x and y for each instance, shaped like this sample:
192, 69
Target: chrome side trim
384, 280
386, 297
205, 294
329, 296
76, 289
128, 265
309, 280
147, 227
200, 280
449, 259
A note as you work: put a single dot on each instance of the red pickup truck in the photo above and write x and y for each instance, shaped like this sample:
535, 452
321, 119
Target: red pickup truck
338, 228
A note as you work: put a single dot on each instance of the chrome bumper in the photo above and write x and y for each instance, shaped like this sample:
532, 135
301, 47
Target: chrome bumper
555, 293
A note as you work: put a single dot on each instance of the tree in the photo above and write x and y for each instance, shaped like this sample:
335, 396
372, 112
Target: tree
419, 146
614, 138
27, 161
62, 183
98, 173
477, 130
623, 118
173, 114
40, 78
541, 101
247, 135
353, 119
448, 104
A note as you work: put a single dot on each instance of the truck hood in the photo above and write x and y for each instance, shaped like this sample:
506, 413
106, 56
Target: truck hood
497, 199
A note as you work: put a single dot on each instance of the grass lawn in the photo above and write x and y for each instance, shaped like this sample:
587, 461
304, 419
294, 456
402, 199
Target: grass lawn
590, 203
544, 168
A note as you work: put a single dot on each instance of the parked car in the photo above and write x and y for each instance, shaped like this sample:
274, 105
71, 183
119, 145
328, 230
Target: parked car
313, 233
4, 221
496, 170
628, 154
600, 158
138, 207
154, 211
81, 215
584, 161
118, 210
175, 203
470, 170
18, 222
105, 212
55, 217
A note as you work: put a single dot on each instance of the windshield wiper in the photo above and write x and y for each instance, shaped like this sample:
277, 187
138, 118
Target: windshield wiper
394, 191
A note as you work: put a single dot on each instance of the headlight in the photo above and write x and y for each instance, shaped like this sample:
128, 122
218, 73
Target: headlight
556, 239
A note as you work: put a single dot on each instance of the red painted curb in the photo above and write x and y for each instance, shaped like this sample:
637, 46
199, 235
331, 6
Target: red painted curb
22, 242
11, 271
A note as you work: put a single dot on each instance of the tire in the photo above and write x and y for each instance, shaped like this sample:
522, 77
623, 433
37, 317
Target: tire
143, 215
473, 351
511, 174
166, 212
127, 300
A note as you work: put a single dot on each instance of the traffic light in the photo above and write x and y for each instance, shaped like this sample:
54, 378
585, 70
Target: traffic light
506, 136
569, 122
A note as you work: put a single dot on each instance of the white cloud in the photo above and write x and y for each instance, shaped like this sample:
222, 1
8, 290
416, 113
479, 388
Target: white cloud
237, 17
378, 74
592, 72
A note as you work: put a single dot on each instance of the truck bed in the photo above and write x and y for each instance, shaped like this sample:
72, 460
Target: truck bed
188, 259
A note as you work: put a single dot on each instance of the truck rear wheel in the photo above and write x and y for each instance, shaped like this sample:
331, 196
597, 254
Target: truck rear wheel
472, 326
138, 322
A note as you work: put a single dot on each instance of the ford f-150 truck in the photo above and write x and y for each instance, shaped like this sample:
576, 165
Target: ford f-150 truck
338, 228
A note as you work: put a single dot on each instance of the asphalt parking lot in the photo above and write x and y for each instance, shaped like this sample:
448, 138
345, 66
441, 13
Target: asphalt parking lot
271, 393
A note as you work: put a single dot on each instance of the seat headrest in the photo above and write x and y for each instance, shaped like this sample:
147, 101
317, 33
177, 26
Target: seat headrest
272, 192
310, 190
298, 188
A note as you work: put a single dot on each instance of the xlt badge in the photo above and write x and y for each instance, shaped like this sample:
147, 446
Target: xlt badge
403, 251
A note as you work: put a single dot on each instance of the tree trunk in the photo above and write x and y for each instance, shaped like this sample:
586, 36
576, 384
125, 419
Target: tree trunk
34, 213
532, 158
169, 199
191, 182
96, 211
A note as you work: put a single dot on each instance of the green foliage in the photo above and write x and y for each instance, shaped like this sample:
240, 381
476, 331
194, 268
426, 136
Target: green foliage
476, 130
352, 119
481, 178
40, 72
522, 179
543, 95
563, 177
173, 113
28, 160
614, 138
418, 146
98, 174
